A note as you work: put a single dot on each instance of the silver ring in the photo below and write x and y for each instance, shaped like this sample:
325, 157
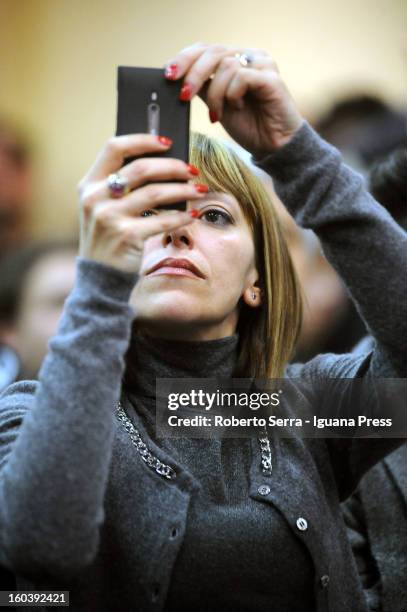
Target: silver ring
118, 185
244, 59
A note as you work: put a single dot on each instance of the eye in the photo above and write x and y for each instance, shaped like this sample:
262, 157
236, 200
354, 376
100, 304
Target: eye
148, 213
216, 216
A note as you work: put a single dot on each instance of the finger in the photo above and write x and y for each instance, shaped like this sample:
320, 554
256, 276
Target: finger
152, 169
144, 170
118, 148
203, 69
214, 93
267, 63
255, 55
158, 224
158, 194
245, 80
177, 66
262, 63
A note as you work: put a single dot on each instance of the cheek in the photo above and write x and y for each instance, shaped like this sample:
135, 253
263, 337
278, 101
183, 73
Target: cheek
231, 259
150, 245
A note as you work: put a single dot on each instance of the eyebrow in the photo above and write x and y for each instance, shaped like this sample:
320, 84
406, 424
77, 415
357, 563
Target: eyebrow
222, 197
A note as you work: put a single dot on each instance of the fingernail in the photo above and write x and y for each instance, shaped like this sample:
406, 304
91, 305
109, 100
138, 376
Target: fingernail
194, 213
213, 116
167, 142
192, 170
171, 72
186, 92
201, 188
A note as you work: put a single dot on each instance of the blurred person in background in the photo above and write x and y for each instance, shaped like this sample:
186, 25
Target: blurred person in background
34, 283
364, 128
15, 186
388, 184
376, 514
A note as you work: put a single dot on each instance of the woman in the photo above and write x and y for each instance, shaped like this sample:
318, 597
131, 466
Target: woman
199, 523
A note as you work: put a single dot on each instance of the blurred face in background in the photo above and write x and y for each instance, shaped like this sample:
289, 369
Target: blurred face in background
15, 189
15, 176
46, 287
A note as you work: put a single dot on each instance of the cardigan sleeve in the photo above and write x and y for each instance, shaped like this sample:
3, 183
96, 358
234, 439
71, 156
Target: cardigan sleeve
359, 237
355, 521
56, 435
368, 249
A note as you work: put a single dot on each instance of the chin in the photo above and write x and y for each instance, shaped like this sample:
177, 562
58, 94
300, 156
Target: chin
168, 307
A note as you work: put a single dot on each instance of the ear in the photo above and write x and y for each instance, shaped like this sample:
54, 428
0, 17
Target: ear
252, 296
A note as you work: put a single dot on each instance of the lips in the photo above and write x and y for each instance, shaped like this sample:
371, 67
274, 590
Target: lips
171, 262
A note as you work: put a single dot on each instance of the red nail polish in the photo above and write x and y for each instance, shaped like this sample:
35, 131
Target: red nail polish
186, 92
192, 170
171, 72
194, 213
213, 116
167, 142
201, 188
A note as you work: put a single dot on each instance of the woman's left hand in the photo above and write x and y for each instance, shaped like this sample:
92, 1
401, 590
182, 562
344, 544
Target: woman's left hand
251, 101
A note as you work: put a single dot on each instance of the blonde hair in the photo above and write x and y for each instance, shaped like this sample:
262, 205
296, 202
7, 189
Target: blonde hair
267, 334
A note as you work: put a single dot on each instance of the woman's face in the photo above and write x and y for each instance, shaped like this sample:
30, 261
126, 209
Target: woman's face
174, 302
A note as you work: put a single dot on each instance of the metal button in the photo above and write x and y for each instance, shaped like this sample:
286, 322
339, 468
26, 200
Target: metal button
302, 524
264, 489
324, 581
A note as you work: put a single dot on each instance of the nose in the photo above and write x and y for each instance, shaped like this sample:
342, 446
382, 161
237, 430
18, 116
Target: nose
180, 238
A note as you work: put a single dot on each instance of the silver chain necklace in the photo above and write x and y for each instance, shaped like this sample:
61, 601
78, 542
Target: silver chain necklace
165, 470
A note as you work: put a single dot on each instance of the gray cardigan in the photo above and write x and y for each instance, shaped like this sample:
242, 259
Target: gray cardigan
78, 507
376, 517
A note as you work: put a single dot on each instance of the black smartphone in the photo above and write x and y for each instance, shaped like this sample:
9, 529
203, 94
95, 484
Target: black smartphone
149, 103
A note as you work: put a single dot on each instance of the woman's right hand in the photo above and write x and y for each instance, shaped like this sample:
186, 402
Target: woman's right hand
113, 230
